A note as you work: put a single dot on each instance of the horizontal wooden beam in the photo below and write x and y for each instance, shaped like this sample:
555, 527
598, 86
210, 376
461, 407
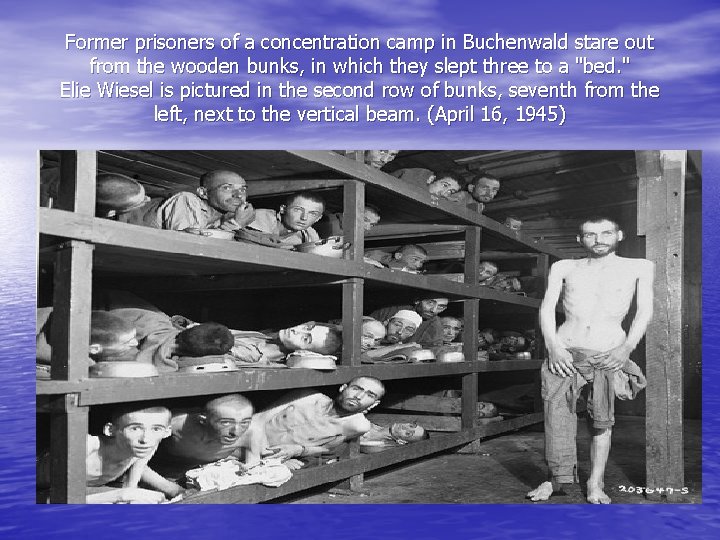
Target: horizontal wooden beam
405, 230
168, 252
583, 190
99, 391
222, 282
133, 238
257, 188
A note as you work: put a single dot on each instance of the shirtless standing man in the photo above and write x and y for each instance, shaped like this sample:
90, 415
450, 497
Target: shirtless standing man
597, 292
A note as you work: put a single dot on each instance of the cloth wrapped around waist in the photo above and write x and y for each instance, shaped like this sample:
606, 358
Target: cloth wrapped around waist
624, 384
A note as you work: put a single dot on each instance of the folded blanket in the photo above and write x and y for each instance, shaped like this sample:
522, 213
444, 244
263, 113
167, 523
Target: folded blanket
230, 472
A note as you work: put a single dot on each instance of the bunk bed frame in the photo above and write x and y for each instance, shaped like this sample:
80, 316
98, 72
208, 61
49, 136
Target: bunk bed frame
79, 245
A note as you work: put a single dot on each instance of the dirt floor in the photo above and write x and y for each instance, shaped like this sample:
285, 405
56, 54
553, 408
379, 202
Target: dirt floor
503, 469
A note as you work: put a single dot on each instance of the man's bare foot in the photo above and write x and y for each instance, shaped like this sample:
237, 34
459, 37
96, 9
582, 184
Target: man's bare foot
541, 493
596, 495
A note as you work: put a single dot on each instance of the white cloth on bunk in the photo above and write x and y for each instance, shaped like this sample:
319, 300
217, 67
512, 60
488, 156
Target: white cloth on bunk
227, 473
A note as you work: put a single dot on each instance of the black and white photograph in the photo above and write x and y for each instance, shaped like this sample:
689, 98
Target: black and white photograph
369, 327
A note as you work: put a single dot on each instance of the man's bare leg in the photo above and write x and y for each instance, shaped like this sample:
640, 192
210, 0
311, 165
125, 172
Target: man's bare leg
599, 452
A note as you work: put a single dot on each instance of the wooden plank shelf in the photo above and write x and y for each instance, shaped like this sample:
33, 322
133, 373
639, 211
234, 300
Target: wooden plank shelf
146, 258
98, 391
178, 253
344, 468
146, 251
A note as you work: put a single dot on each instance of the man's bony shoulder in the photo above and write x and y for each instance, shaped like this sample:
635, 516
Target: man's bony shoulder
564, 265
639, 265
182, 196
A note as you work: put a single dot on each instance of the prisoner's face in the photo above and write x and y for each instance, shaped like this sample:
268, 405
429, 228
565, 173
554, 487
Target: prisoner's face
359, 395
228, 421
398, 330
370, 219
140, 433
431, 307
485, 189
486, 270
378, 158
407, 431
413, 259
301, 214
600, 239
372, 334
451, 328
305, 336
225, 191
443, 187
486, 409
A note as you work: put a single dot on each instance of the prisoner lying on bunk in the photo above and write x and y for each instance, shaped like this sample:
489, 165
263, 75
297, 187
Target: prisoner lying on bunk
381, 438
306, 423
220, 202
120, 453
269, 349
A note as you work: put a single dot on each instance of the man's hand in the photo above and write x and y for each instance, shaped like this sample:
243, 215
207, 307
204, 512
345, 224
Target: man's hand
195, 230
283, 451
560, 362
615, 359
140, 496
244, 214
293, 464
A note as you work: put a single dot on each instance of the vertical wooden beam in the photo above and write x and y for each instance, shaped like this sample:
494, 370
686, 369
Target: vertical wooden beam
72, 303
352, 310
353, 291
353, 484
78, 171
353, 218
674, 166
471, 316
662, 178
542, 269
68, 441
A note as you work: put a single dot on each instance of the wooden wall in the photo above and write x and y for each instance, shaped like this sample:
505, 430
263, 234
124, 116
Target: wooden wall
634, 246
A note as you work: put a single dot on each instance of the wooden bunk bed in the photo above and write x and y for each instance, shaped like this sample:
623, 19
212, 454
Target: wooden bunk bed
82, 249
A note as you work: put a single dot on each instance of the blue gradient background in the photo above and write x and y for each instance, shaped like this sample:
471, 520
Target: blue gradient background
686, 64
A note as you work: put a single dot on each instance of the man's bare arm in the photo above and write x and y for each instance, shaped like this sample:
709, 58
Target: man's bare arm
618, 357
644, 305
559, 361
160, 483
126, 495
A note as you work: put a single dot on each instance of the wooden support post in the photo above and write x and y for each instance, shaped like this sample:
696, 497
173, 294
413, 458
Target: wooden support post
68, 441
353, 218
542, 269
352, 310
78, 171
354, 484
662, 180
471, 316
72, 301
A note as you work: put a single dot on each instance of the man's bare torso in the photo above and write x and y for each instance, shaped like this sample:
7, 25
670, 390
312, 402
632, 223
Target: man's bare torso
597, 294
